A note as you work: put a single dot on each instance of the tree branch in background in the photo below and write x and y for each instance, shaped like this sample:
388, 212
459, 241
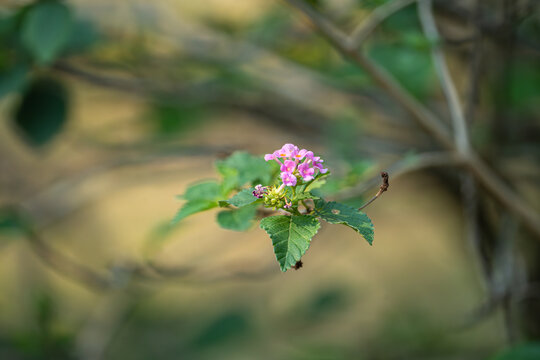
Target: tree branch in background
404, 167
461, 138
429, 121
468, 184
56, 261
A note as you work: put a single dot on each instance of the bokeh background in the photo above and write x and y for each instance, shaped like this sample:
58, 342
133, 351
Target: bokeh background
109, 109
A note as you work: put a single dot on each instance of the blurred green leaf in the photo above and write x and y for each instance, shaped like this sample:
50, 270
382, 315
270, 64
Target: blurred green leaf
412, 67
46, 29
291, 236
13, 79
237, 219
209, 190
241, 168
176, 118
524, 92
406, 18
323, 302
82, 36
7, 24
529, 351
336, 213
42, 112
193, 207
226, 327
10, 223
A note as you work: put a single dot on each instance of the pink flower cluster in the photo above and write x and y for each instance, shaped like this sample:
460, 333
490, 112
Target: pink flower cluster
292, 167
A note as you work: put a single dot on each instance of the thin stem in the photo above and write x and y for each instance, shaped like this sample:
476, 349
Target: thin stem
383, 188
308, 209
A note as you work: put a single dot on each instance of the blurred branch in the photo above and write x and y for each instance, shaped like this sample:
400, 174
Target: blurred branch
483, 173
45, 204
377, 16
103, 324
495, 31
121, 275
130, 85
56, 261
404, 167
459, 125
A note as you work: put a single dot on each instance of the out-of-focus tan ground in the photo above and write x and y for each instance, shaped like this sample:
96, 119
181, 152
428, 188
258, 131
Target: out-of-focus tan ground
418, 262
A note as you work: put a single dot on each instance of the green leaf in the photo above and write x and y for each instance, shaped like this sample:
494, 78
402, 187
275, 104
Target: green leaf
412, 67
305, 195
241, 168
209, 190
83, 35
291, 236
13, 79
237, 219
316, 184
193, 207
230, 178
336, 213
42, 111
527, 351
243, 198
178, 118
227, 327
46, 29
10, 223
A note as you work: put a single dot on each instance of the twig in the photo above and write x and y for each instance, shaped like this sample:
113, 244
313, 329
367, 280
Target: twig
377, 16
58, 262
431, 123
405, 167
427, 20
146, 273
384, 187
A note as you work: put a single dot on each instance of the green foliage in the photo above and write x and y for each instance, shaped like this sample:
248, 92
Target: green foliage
42, 112
412, 67
174, 119
524, 87
237, 219
13, 79
209, 190
193, 207
45, 30
336, 213
83, 35
243, 198
241, 168
291, 236
10, 223
528, 351
236, 170
224, 328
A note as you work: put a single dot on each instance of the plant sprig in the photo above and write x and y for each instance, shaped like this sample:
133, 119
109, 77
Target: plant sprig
289, 175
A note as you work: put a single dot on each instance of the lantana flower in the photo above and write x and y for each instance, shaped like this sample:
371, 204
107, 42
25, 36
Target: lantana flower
292, 169
288, 178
